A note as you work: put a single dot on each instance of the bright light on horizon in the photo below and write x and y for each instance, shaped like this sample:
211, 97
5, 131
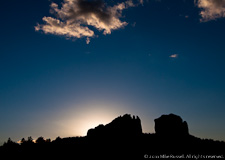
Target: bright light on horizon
77, 122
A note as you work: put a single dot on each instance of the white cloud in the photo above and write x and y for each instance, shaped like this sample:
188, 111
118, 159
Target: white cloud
173, 56
75, 17
211, 9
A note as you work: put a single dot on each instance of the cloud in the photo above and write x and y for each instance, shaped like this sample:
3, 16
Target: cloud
55, 26
88, 40
173, 56
77, 18
141, 1
211, 9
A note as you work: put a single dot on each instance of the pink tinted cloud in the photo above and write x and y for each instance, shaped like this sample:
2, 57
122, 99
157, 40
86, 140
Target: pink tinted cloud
211, 9
75, 17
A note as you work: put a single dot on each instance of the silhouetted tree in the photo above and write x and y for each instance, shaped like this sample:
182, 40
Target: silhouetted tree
9, 142
30, 139
58, 139
48, 140
23, 141
40, 140
27, 142
10, 145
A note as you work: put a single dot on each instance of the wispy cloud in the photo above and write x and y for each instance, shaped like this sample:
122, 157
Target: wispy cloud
88, 40
173, 56
76, 18
141, 1
211, 9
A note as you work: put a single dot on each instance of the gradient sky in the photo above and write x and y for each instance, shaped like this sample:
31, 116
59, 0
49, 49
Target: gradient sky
61, 75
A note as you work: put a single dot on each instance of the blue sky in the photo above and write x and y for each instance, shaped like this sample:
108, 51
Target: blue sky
146, 58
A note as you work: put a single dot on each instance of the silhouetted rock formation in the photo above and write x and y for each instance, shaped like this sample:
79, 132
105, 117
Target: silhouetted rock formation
119, 127
121, 139
171, 125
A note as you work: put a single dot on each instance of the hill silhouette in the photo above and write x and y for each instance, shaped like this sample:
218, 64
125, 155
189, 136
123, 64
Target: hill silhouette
119, 127
171, 125
121, 139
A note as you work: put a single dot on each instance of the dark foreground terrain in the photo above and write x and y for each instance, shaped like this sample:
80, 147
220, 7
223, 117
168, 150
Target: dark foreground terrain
121, 139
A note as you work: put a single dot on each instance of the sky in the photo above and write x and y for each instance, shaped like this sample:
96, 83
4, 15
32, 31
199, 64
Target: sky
68, 65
